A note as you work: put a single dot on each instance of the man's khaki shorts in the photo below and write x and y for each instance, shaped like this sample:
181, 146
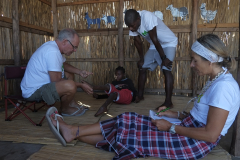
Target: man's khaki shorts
152, 58
47, 93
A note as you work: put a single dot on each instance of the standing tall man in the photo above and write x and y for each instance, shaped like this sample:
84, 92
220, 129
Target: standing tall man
162, 49
45, 77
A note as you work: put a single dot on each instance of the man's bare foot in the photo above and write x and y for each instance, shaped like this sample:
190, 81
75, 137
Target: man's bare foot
95, 95
167, 105
138, 99
101, 110
65, 130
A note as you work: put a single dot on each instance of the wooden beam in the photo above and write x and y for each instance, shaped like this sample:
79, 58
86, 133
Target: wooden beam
55, 18
175, 28
25, 29
16, 44
24, 24
218, 29
25, 61
16, 34
114, 31
46, 2
174, 90
86, 2
185, 58
100, 32
219, 25
11, 61
193, 39
120, 34
235, 146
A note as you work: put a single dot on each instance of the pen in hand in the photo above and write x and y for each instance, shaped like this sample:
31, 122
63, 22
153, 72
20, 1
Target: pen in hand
162, 111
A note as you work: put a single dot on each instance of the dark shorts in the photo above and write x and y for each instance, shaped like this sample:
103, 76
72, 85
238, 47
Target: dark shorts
46, 93
124, 95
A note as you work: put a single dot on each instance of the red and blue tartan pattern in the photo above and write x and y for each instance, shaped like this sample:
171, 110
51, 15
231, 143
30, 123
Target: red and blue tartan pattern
132, 135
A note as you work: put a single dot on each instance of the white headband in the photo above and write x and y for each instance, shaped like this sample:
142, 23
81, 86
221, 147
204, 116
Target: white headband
206, 53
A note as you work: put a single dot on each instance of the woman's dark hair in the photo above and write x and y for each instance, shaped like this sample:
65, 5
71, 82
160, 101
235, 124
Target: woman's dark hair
119, 68
131, 16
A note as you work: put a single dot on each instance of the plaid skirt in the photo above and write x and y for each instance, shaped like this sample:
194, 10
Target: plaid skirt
131, 135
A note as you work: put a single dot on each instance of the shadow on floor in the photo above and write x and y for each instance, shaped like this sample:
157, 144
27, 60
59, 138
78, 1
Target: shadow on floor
17, 151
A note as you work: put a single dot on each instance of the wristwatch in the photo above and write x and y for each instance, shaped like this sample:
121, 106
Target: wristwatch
172, 129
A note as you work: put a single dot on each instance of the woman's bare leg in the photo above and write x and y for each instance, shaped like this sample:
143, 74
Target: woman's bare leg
93, 139
70, 132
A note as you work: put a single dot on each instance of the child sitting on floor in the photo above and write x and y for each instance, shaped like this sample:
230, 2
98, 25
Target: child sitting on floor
120, 91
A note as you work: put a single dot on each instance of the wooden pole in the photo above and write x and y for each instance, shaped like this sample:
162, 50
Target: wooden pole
55, 19
16, 34
16, 44
193, 39
120, 34
235, 146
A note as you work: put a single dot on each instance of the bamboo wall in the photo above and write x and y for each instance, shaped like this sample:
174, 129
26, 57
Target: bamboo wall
106, 46
31, 12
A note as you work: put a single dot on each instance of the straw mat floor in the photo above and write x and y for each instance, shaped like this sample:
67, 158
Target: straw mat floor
21, 130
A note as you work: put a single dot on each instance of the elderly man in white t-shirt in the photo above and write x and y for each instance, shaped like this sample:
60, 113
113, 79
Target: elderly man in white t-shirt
44, 78
162, 49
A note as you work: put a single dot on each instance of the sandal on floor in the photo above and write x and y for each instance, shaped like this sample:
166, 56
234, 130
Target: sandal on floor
55, 130
74, 113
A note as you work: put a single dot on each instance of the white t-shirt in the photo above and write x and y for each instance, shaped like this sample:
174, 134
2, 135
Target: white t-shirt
148, 21
46, 58
223, 93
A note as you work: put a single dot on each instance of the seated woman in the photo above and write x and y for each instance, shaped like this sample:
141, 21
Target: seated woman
131, 135
120, 91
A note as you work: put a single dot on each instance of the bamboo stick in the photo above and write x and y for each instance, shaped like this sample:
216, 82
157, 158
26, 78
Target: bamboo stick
16, 38
120, 34
193, 38
55, 18
235, 146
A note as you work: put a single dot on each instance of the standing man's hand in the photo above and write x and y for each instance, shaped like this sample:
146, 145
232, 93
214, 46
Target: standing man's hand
167, 63
86, 87
85, 74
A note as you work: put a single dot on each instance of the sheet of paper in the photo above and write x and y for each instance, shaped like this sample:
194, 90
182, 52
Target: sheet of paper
153, 115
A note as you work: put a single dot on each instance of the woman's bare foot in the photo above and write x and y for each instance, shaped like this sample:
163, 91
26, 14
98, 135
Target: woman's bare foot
65, 130
101, 110
138, 99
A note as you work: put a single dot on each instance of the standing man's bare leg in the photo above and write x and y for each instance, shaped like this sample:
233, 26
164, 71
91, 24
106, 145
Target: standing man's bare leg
168, 89
142, 77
